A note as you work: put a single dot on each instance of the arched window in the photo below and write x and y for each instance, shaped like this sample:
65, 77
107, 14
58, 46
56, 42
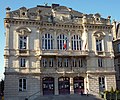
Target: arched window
47, 42
76, 42
62, 42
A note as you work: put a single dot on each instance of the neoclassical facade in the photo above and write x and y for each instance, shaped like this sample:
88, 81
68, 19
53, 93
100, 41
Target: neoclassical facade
54, 50
116, 46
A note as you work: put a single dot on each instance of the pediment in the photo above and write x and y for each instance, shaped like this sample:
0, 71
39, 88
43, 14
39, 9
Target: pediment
62, 9
23, 30
99, 35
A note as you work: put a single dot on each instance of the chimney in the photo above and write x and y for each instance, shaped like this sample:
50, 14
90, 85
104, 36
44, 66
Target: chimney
54, 5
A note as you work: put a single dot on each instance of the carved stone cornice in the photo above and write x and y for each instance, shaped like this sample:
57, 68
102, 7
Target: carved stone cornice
57, 25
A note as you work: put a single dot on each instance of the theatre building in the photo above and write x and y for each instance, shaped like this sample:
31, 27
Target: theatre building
55, 50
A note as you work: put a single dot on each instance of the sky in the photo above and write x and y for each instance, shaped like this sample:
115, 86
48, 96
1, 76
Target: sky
104, 7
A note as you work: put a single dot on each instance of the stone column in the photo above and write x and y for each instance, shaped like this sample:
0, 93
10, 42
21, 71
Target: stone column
56, 86
38, 67
71, 86
40, 38
55, 41
7, 35
69, 41
41, 88
37, 39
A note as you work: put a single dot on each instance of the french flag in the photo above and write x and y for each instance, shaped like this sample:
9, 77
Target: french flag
65, 45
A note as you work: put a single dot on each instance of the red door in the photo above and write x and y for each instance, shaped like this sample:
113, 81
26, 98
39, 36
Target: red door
64, 85
78, 85
48, 86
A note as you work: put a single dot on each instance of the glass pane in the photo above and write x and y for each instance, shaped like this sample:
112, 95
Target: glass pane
51, 44
45, 44
48, 44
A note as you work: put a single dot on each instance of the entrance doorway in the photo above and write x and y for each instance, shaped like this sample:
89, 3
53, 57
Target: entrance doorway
78, 84
48, 86
64, 85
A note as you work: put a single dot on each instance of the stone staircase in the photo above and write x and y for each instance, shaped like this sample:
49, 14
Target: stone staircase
67, 97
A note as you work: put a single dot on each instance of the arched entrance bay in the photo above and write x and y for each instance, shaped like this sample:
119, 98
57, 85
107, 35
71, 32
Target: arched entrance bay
64, 85
48, 85
78, 84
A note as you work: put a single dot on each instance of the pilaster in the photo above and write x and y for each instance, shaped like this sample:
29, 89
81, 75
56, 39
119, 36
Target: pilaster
56, 86
7, 36
71, 86
69, 41
55, 41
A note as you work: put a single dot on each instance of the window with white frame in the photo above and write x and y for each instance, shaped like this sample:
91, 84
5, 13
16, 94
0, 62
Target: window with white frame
66, 62
99, 45
23, 42
22, 84
81, 62
100, 62
47, 42
76, 42
102, 82
59, 62
22, 62
51, 62
62, 42
44, 62
74, 62
118, 46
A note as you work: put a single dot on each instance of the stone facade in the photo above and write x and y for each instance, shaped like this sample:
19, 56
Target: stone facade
52, 50
116, 46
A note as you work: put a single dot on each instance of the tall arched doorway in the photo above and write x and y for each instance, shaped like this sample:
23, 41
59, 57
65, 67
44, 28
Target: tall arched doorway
48, 85
64, 85
78, 84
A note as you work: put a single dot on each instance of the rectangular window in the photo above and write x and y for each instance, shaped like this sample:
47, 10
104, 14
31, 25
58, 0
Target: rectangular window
23, 42
44, 62
22, 84
22, 62
51, 62
102, 83
100, 62
74, 63
118, 47
66, 62
80, 62
98, 45
59, 62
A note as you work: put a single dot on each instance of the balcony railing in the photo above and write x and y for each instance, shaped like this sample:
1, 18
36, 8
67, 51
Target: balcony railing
64, 52
100, 69
22, 52
22, 70
63, 70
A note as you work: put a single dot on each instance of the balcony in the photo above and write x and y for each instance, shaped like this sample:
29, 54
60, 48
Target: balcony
22, 52
64, 52
22, 70
100, 70
64, 70
6, 52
